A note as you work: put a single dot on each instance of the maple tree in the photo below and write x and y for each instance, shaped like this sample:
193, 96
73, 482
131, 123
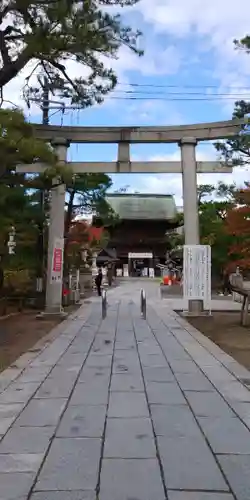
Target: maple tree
83, 237
238, 227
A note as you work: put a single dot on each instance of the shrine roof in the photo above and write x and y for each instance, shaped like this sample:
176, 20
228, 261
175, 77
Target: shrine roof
143, 206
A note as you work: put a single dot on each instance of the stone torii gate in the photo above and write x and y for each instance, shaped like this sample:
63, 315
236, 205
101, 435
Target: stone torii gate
186, 136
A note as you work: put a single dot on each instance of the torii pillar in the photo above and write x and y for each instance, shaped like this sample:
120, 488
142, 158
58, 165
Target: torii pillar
190, 203
54, 281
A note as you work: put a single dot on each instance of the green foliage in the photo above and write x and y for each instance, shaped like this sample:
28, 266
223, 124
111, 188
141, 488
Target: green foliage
19, 206
18, 143
212, 218
236, 151
89, 193
53, 33
21, 195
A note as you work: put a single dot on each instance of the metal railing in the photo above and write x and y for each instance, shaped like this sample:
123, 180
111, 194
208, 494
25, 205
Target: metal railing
104, 304
143, 304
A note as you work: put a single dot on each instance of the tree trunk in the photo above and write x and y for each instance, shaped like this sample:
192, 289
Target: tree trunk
10, 71
68, 220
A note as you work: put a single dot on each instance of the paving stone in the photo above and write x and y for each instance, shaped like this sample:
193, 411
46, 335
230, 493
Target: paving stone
166, 393
20, 462
201, 495
91, 393
173, 351
129, 438
26, 440
41, 412
158, 374
234, 391
126, 361
237, 471
34, 374
153, 360
5, 424
18, 393
131, 480
8, 376
10, 410
226, 435
194, 382
89, 374
124, 367
69, 372
208, 404
174, 421
218, 374
188, 464
149, 348
95, 360
79, 346
66, 495
15, 486
125, 343
126, 356
243, 410
83, 421
72, 464
55, 388
50, 355
123, 382
69, 359
103, 349
130, 404
183, 366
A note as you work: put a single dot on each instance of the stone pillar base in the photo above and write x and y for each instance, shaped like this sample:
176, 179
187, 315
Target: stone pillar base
196, 308
188, 314
53, 314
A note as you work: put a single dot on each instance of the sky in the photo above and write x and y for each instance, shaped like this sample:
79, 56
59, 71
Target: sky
190, 73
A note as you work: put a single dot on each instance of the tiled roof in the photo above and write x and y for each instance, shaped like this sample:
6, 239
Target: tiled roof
140, 206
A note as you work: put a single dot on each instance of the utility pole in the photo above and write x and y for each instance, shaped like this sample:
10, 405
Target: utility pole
45, 101
41, 254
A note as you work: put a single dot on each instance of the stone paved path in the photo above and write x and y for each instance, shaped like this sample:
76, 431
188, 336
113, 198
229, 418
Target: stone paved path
124, 409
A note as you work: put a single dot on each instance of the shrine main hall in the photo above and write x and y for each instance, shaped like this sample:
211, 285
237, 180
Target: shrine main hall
140, 238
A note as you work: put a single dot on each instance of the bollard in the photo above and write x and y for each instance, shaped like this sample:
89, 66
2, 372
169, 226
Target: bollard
104, 304
143, 304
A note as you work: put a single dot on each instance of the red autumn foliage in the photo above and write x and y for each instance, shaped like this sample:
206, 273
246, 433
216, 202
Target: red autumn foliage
83, 233
238, 226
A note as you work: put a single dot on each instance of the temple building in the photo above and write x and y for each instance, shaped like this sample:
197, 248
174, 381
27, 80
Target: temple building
140, 239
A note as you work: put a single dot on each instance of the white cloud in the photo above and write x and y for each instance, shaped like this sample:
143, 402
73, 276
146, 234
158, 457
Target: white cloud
152, 112
172, 183
219, 21
216, 23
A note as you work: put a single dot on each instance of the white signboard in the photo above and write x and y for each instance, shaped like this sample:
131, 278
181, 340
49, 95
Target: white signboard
125, 270
151, 272
197, 274
134, 255
57, 261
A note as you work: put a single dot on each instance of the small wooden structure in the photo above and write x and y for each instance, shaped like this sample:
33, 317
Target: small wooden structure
245, 294
237, 287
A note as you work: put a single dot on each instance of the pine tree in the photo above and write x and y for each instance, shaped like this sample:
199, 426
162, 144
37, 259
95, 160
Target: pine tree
51, 33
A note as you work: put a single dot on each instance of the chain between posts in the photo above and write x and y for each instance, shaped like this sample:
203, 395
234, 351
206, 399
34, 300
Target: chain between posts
143, 304
104, 304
